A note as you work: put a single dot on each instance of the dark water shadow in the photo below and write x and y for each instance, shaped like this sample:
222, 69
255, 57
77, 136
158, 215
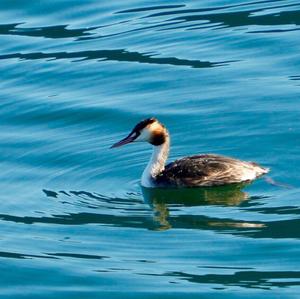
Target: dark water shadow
132, 213
161, 199
251, 17
155, 212
166, 221
264, 280
188, 18
55, 32
48, 255
216, 8
221, 195
208, 18
96, 201
15, 255
294, 78
120, 55
76, 255
184, 17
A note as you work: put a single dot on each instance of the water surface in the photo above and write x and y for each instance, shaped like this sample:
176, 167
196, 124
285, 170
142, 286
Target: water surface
223, 76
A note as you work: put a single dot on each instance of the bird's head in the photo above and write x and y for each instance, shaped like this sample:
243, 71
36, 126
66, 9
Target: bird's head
149, 130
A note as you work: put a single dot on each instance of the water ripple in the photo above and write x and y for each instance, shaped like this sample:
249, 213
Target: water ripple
244, 18
246, 279
269, 229
116, 55
158, 7
58, 31
76, 76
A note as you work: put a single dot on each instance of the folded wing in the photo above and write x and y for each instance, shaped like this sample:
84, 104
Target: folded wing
208, 170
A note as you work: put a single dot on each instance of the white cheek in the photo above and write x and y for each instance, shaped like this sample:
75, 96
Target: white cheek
144, 136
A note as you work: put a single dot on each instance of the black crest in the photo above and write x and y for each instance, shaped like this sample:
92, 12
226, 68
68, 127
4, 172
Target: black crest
143, 124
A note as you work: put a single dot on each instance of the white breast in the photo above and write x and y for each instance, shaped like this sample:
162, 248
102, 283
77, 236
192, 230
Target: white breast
147, 181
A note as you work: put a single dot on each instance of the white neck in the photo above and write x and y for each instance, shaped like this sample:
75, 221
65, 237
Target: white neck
156, 164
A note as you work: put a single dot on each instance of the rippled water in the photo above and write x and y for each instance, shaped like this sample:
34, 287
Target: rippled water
76, 76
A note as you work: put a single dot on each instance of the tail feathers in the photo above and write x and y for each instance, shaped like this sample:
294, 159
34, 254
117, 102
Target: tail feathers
265, 170
261, 170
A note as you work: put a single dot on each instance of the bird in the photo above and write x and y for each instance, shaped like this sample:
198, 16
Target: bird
203, 170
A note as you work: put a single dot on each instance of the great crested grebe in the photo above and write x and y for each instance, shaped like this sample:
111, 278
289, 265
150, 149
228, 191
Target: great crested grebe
193, 171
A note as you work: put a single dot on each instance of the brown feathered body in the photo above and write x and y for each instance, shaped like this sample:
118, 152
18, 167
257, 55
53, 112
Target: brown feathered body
208, 170
194, 171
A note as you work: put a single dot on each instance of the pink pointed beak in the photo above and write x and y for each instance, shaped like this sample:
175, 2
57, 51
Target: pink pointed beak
124, 141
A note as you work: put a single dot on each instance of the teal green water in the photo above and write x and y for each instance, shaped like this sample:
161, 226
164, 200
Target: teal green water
76, 76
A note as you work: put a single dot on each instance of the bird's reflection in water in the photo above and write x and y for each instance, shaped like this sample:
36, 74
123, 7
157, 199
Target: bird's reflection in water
162, 199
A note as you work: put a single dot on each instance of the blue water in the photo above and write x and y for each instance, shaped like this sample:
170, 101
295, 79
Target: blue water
76, 76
